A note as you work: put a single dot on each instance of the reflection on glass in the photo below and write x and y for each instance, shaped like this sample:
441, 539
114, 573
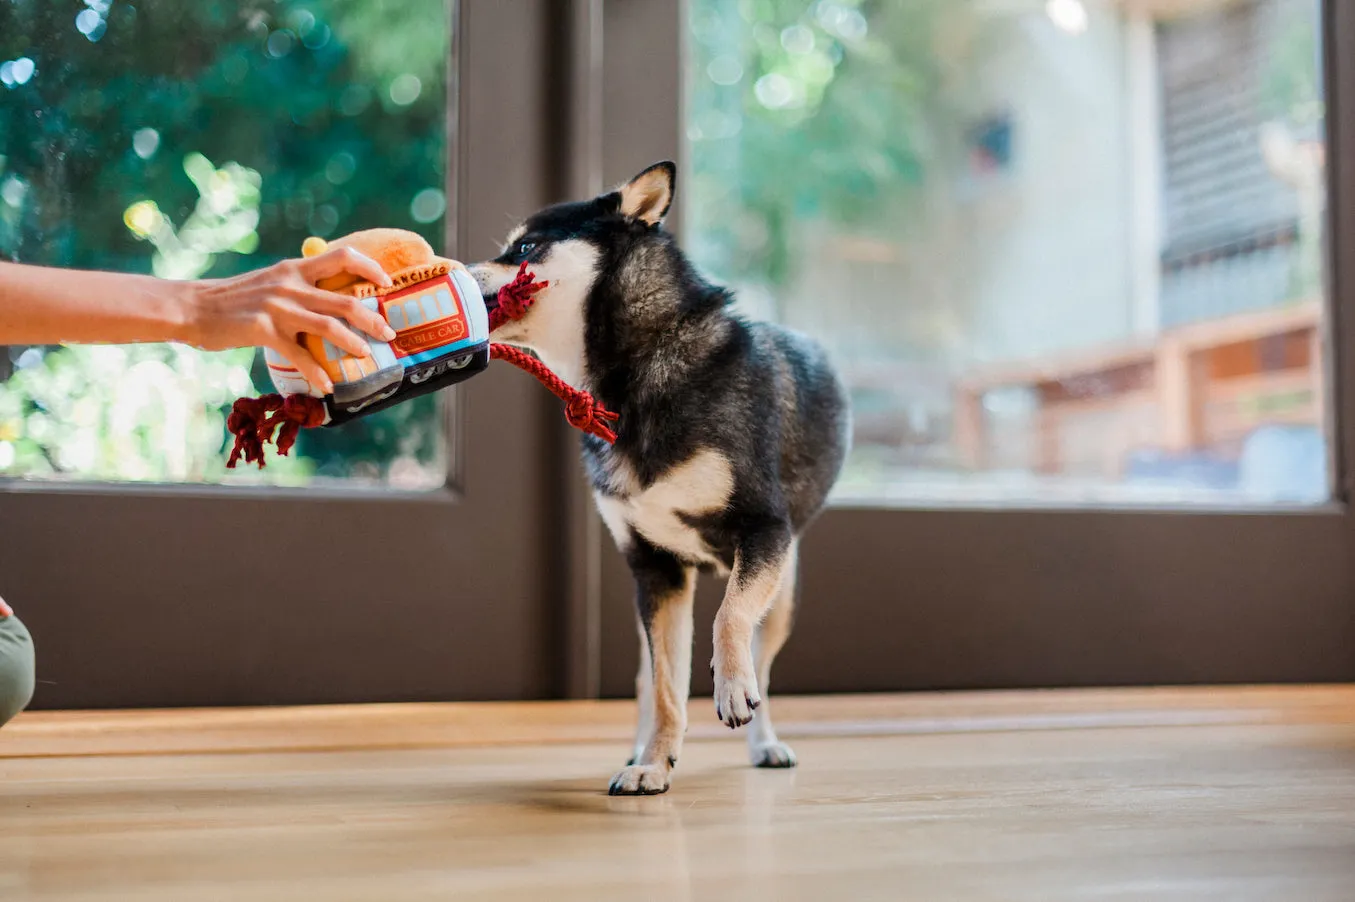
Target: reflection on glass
1065, 251
205, 139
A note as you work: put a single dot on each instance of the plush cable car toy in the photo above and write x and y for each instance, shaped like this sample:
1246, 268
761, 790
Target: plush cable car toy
441, 329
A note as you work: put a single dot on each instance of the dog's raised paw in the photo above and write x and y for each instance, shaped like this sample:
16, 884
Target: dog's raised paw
772, 755
736, 698
639, 780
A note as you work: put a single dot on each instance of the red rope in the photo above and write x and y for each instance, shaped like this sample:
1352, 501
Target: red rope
247, 422
254, 421
298, 412
515, 297
581, 409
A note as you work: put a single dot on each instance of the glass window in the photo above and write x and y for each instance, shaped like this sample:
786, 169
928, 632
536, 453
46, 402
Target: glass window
204, 139
1065, 251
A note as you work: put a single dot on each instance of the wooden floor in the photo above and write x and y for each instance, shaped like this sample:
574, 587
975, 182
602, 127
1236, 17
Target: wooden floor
1238, 794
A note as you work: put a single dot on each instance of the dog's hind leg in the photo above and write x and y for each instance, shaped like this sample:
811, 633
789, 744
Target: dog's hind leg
663, 597
764, 749
761, 563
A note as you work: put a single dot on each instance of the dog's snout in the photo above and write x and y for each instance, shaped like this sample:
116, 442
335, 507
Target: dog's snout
490, 277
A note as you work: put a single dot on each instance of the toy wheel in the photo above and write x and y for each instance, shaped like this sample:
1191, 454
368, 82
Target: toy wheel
358, 408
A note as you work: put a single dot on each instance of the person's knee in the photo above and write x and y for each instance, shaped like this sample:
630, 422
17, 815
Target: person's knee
18, 672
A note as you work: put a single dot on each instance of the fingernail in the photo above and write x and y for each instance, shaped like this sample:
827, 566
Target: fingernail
327, 387
387, 334
386, 280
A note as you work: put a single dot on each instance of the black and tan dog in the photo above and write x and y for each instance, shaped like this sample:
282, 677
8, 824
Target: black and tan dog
731, 434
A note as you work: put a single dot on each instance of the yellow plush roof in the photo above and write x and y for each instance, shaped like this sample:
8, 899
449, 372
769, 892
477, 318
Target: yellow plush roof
405, 256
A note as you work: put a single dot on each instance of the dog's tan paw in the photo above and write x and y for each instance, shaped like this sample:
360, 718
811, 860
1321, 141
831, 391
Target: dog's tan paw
772, 754
639, 780
736, 698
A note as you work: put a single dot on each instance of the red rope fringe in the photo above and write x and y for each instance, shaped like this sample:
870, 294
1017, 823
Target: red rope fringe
515, 297
257, 421
246, 423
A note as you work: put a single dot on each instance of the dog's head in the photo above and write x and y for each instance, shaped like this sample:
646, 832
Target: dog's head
571, 247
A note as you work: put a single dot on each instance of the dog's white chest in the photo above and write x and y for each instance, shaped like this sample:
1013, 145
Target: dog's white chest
700, 485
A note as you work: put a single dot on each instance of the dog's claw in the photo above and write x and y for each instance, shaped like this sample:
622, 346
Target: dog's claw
736, 699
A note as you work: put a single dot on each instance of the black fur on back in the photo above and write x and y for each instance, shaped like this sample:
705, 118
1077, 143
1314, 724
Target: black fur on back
664, 349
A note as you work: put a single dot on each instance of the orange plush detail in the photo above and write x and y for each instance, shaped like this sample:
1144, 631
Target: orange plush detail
414, 268
405, 256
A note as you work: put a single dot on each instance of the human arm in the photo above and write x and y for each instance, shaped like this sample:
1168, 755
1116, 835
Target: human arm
264, 308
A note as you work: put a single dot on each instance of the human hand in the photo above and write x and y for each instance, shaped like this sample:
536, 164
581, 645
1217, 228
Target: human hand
270, 307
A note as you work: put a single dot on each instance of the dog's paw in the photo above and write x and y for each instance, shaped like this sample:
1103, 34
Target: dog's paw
772, 754
736, 698
639, 780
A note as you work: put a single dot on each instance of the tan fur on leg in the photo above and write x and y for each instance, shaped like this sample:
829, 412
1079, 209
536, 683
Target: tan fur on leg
764, 749
746, 601
670, 641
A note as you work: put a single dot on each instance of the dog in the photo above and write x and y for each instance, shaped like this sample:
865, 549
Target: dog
731, 435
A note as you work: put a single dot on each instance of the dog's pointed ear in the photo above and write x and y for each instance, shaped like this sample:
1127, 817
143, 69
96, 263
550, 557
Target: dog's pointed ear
648, 196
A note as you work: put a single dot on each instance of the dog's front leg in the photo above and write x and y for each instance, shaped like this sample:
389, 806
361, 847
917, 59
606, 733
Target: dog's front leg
644, 697
760, 565
663, 598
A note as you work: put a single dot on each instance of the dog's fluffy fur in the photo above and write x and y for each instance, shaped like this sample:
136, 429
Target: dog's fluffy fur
731, 435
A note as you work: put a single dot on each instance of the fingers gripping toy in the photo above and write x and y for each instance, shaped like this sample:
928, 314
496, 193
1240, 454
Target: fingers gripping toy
441, 326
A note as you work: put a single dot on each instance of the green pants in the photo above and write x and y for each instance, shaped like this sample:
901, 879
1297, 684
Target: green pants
17, 667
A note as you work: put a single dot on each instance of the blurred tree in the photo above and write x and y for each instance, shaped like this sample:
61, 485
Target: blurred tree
843, 110
807, 110
338, 105
1291, 82
143, 411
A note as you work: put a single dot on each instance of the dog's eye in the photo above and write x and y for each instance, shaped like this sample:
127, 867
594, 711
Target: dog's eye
525, 247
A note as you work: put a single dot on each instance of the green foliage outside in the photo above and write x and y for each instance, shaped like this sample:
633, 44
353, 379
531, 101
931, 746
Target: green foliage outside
810, 110
1291, 85
122, 124
843, 111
